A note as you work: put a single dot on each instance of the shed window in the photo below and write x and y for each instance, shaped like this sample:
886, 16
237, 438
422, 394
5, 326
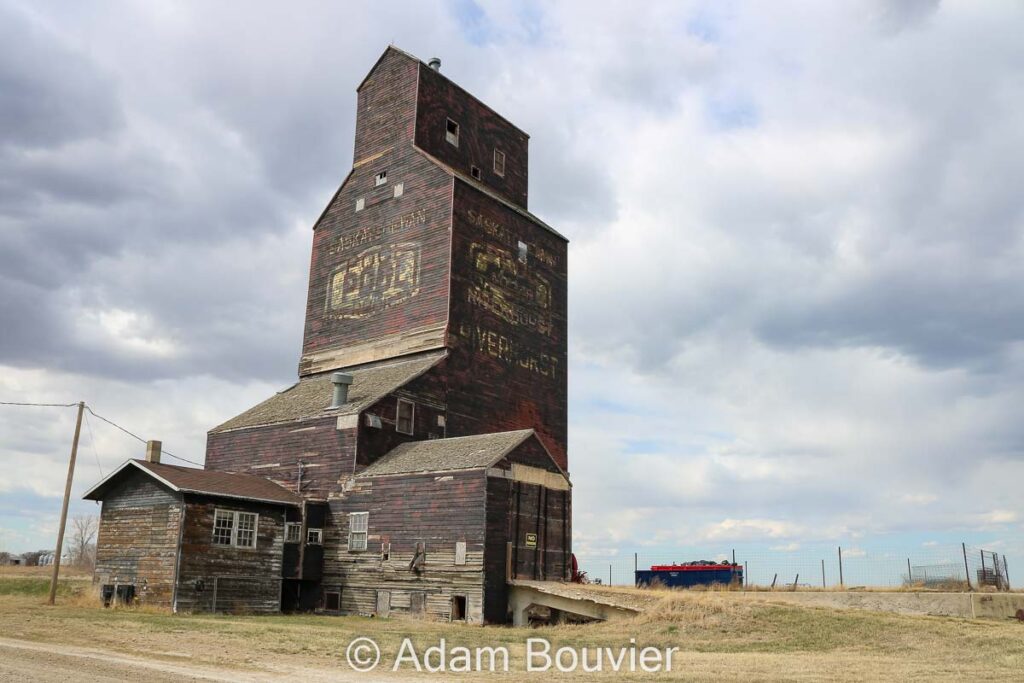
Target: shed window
314, 536
475, 172
451, 132
292, 532
381, 179
360, 204
223, 526
332, 601
399, 189
406, 412
524, 251
245, 529
358, 523
235, 528
499, 163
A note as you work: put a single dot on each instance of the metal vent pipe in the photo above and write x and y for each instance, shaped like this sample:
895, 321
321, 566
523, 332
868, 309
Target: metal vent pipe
435, 63
341, 382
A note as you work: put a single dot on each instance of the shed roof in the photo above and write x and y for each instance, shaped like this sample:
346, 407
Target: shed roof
439, 455
204, 482
310, 396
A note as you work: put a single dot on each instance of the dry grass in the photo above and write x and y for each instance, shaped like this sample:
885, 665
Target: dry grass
720, 638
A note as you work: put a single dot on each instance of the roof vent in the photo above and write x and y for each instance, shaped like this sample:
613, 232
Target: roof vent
435, 63
341, 381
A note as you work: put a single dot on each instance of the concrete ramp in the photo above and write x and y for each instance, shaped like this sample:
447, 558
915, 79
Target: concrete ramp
566, 599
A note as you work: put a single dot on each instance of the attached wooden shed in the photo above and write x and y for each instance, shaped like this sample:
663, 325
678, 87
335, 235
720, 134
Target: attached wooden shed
191, 539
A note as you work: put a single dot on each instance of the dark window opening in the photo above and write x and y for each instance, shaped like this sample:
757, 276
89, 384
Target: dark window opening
451, 132
475, 172
458, 608
332, 601
385, 552
404, 421
381, 179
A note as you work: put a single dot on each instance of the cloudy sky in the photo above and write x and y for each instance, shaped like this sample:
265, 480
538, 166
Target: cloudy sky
796, 291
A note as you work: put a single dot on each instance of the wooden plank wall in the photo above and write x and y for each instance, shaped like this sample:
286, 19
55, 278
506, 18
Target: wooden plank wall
435, 510
138, 538
201, 561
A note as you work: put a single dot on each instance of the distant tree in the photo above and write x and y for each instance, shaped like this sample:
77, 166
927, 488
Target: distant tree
5, 557
31, 558
83, 536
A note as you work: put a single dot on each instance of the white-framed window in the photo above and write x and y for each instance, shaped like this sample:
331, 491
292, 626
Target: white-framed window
399, 189
405, 415
451, 132
223, 527
235, 528
360, 204
314, 536
380, 179
499, 163
292, 532
358, 524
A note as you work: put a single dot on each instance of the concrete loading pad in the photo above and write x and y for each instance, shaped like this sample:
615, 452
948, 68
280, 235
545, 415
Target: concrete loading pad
567, 599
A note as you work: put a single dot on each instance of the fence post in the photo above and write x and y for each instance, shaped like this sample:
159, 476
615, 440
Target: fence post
984, 575
841, 585
609, 575
967, 570
214, 610
746, 573
1006, 572
795, 582
823, 573
774, 579
910, 574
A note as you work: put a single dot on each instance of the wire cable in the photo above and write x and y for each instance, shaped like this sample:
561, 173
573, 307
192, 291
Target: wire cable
92, 443
39, 405
136, 436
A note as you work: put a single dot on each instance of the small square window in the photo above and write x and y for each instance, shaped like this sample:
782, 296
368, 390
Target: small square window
360, 204
358, 526
406, 413
381, 179
332, 601
524, 251
499, 163
451, 132
399, 189
475, 172
292, 532
314, 536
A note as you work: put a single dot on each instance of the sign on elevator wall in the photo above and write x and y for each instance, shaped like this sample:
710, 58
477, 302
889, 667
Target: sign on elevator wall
375, 279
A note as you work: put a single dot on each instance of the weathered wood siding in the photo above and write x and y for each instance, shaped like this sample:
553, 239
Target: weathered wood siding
508, 363
435, 510
428, 392
378, 283
138, 538
274, 452
481, 131
245, 579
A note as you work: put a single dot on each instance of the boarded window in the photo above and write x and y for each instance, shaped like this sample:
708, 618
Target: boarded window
314, 536
223, 527
399, 189
358, 524
292, 532
451, 132
460, 552
406, 412
360, 204
499, 163
417, 602
245, 532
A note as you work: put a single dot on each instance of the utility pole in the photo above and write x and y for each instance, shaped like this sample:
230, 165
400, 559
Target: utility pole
64, 508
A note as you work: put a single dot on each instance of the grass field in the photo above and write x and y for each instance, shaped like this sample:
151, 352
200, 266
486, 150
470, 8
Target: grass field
718, 638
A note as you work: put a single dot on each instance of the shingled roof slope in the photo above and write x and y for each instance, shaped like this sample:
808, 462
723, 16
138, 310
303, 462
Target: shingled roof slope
438, 455
205, 482
310, 396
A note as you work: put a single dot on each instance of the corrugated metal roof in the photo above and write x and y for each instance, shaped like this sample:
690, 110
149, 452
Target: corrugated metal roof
438, 455
311, 396
204, 482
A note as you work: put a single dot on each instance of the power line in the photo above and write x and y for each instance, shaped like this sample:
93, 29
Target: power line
136, 436
39, 405
92, 443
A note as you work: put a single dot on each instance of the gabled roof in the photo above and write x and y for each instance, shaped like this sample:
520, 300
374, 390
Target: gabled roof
439, 455
310, 396
203, 482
